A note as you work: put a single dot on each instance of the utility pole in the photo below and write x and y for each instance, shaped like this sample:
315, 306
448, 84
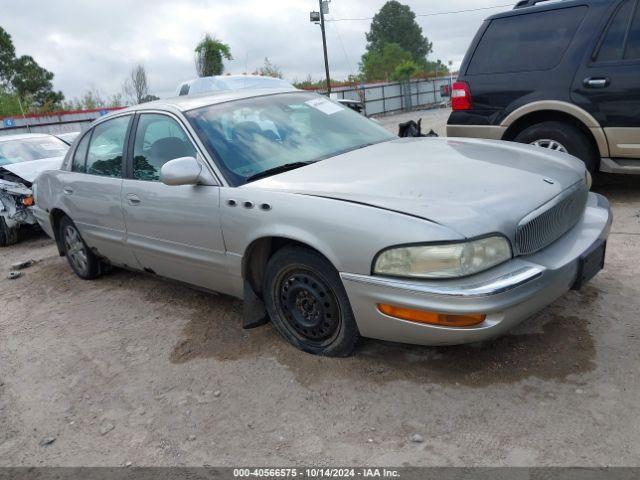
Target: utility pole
24, 117
324, 46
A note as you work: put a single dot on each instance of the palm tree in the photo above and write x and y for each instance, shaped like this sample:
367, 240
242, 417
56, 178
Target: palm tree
209, 55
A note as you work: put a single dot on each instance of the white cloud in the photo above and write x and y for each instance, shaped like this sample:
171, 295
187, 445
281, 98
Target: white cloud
95, 43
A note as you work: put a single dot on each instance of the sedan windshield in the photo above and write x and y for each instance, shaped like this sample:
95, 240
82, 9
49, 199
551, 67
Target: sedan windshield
253, 138
27, 149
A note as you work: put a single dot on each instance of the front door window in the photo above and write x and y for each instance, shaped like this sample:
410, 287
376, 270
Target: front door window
159, 138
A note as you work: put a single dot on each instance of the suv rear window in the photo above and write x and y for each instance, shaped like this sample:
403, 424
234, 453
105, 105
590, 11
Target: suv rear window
612, 47
622, 28
633, 42
528, 42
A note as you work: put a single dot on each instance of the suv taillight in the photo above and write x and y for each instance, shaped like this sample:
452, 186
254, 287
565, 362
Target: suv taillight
461, 96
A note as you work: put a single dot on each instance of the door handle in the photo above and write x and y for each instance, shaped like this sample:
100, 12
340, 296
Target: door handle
67, 190
133, 199
596, 82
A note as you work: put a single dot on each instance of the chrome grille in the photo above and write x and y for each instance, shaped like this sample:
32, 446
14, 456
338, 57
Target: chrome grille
548, 223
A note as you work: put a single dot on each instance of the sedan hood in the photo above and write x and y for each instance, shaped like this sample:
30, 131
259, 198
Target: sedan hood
474, 187
28, 171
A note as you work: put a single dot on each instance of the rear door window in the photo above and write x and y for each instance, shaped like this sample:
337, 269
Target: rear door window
612, 46
524, 43
107, 147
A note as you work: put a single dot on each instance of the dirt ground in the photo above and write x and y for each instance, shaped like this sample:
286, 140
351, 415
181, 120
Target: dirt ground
130, 368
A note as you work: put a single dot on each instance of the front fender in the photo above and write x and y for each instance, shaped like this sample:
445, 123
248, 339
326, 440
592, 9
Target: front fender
348, 234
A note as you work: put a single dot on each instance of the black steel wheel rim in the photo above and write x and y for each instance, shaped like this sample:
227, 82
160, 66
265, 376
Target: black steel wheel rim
308, 306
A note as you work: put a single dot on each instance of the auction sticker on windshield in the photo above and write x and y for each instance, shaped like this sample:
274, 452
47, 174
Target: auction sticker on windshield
324, 105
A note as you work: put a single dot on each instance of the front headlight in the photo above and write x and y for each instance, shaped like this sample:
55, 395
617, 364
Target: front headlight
450, 260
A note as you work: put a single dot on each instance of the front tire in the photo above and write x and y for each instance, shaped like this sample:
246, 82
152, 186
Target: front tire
308, 304
81, 259
562, 137
8, 235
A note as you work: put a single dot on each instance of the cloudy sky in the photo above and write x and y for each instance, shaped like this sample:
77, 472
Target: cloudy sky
94, 43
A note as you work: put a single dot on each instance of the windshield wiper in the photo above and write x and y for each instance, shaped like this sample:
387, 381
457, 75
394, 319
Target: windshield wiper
352, 149
275, 170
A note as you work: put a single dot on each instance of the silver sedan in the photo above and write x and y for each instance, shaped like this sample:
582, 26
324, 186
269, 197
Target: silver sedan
323, 222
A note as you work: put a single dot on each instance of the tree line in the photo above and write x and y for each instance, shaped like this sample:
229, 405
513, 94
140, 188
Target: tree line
23, 83
396, 49
26, 87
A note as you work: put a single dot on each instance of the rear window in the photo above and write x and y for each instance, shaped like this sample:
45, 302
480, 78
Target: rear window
622, 28
184, 90
612, 47
31, 148
633, 42
525, 43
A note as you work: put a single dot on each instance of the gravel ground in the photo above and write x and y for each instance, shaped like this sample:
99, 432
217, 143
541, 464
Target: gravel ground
129, 368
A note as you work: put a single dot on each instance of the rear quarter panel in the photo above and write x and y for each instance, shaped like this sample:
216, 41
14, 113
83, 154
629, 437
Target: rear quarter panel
48, 190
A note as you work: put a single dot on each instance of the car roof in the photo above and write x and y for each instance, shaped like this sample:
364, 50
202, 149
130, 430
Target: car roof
23, 136
190, 102
218, 83
548, 5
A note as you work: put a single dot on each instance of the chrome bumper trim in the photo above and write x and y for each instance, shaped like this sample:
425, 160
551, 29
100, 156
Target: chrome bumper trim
495, 286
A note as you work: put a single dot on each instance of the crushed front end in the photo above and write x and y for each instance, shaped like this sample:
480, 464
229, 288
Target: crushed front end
16, 200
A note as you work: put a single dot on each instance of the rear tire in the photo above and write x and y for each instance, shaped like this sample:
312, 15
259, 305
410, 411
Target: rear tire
571, 138
8, 235
81, 259
308, 304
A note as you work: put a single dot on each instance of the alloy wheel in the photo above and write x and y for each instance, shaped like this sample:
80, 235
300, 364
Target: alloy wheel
75, 249
550, 144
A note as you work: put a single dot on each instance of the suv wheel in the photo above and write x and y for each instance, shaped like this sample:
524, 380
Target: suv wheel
308, 304
561, 137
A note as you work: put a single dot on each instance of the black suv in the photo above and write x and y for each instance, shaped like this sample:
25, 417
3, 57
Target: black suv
563, 75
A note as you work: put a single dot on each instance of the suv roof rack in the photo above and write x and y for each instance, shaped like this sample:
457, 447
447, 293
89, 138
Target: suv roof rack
528, 3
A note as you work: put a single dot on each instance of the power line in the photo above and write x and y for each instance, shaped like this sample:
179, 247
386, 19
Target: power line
344, 51
424, 14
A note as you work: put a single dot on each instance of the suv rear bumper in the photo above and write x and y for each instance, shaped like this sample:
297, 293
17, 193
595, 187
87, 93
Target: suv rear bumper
489, 132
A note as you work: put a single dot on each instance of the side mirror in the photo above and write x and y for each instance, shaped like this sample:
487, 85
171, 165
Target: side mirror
185, 171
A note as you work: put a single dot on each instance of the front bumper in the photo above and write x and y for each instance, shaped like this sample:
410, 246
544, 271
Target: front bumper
507, 294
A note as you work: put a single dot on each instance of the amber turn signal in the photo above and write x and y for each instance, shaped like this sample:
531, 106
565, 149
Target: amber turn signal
433, 318
27, 201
